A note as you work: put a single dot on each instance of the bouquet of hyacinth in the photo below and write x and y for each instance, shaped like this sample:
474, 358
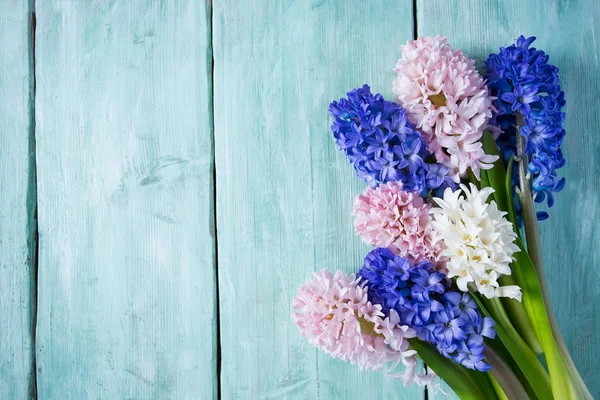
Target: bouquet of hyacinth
454, 167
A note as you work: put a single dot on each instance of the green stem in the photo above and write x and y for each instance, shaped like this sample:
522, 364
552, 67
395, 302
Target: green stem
556, 362
525, 358
502, 375
508, 358
496, 308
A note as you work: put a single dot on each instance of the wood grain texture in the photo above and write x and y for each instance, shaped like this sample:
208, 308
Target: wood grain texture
284, 193
17, 197
126, 263
568, 32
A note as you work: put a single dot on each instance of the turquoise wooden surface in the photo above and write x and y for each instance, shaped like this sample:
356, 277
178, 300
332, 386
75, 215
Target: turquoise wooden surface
284, 193
126, 151
17, 199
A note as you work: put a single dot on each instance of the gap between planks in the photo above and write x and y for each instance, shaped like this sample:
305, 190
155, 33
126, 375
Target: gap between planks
32, 196
214, 200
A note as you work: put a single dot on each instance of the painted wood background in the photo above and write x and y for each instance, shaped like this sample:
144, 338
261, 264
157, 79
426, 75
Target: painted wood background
17, 203
126, 282
187, 184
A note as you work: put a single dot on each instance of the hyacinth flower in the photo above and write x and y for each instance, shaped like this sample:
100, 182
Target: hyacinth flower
447, 100
529, 115
530, 120
382, 144
338, 314
425, 302
388, 216
334, 313
478, 240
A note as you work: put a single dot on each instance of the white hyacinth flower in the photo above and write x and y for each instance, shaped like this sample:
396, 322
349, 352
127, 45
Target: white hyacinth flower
479, 240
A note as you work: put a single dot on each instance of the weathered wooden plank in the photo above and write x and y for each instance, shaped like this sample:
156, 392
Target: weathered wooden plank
568, 32
284, 193
17, 197
126, 266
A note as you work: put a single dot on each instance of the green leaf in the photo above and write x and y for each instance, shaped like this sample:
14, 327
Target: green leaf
498, 388
456, 376
518, 315
481, 380
509, 199
485, 182
519, 277
497, 174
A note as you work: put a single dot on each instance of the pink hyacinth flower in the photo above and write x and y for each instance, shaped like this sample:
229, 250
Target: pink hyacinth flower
387, 216
447, 100
333, 313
